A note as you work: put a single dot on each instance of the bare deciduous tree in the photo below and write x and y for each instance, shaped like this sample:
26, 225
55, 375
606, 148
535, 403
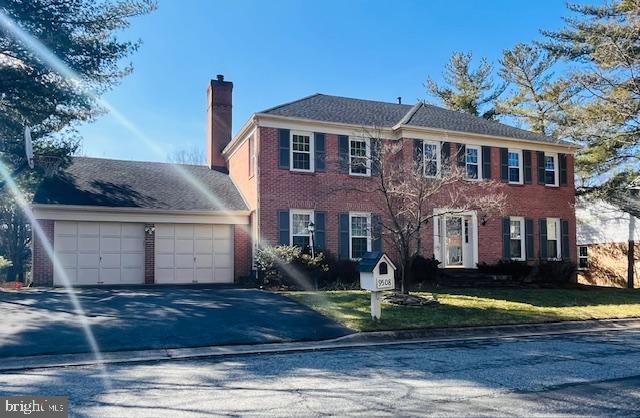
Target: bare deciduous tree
194, 156
409, 198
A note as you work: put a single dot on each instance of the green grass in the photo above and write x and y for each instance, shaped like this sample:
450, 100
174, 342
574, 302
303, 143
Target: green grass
474, 307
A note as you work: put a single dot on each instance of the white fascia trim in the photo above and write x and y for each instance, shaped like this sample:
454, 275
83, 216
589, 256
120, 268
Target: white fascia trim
247, 130
95, 213
273, 121
480, 139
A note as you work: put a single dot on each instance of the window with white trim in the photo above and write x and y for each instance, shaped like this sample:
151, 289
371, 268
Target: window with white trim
551, 169
299, 222
583, 257
553, 238
473, 162
515, 166
430, 158
252, 156
359, 157
516, 238
301, 151
359, 234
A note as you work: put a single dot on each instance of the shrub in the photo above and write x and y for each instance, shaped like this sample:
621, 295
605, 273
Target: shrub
288, 266
4, 263
340, 274
425, 269
518, 270
560, 272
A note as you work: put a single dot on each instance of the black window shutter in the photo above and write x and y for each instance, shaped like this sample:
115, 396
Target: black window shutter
528, 237
283, 161
445, 152
564, 233
543, 238
320, 237
541, 176
461, 154
562, 165
504, 164
418, 152
506, 238
343, 146
343, 237
526, 156
283, 227
319, 151
375, 145
376, 233
486, 162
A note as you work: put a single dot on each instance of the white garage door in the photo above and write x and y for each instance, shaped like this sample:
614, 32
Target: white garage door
193, 253
99, 252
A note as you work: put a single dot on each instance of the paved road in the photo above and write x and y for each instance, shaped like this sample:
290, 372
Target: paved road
585, 374
44, 322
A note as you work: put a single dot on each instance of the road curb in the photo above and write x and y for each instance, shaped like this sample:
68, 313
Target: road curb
357, 340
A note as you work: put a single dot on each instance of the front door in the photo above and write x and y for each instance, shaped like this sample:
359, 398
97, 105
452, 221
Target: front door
459, 241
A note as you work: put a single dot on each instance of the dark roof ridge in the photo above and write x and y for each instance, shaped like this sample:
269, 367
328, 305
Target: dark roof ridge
138, 161
292, 102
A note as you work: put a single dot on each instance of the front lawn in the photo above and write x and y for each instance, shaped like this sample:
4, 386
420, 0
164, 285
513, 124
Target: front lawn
473, 307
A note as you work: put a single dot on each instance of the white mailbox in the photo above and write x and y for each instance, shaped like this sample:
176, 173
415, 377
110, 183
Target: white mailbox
377, 273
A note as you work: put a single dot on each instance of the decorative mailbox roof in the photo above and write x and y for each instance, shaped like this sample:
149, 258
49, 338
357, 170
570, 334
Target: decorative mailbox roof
370, 260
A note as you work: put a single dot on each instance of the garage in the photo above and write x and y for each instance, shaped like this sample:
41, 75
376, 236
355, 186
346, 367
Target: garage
99, 253
193, 253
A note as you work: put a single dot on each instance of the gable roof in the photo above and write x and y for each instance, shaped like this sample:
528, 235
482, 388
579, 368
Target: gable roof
137, 184
326, 108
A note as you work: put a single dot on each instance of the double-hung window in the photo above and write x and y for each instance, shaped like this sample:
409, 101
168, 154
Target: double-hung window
359, 157
430, 159
301, 151
551, 169
515, 166
583, 257
553, 238
473, 162
516, 238
359, 234
300, 220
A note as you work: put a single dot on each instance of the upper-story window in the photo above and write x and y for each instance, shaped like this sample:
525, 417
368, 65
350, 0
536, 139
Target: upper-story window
301, 151
359, 157
430, 158
515, 166
551, 169
473, 162
300, 220
359, 234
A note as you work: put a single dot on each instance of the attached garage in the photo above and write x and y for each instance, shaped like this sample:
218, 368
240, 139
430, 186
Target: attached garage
114, 222
95, 253
193, 253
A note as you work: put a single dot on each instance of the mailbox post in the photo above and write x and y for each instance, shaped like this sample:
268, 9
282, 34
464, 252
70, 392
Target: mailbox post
377, 273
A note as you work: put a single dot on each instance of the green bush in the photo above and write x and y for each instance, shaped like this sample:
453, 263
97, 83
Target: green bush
289, 266
518, 270
340, 274
425, 270
560, 272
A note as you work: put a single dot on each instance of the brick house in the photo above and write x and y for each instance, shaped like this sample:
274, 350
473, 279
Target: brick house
266, 184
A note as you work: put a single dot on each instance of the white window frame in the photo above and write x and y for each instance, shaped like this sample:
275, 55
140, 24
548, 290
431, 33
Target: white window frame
299, 212
585, 257
367, 142
558, 255
556, 174
523, 250
438, 158
252, 156
358, 215
478, 148
311, 151
520, 166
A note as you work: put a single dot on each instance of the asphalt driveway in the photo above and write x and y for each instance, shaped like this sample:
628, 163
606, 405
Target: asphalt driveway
36, 322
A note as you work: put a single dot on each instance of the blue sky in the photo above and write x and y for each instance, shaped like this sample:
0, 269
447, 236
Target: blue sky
277, 51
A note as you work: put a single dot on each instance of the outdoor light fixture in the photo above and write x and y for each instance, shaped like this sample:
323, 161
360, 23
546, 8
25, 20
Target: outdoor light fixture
149, 229
311, 227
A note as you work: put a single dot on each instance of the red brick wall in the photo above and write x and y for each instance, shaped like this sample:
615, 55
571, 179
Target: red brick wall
282, 189
42, 265
149, 253
242, 251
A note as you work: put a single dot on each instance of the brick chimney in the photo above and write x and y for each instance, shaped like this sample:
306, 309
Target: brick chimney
219, 96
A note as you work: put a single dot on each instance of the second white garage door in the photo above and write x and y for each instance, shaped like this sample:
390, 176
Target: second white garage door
193, 253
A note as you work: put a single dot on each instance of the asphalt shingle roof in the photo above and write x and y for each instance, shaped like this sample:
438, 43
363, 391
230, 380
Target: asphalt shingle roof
137, 184
322, 107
